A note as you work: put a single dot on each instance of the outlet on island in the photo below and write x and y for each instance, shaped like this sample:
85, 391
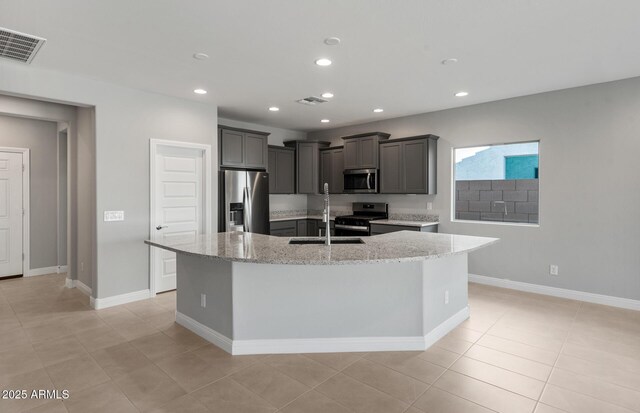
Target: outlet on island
553, 269
203, 300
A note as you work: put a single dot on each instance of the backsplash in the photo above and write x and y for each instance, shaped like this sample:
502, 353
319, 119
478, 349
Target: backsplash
335, 212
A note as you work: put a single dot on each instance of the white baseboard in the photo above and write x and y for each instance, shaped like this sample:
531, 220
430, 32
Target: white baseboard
58, 269
106, 302
322, 345
69, 283
445, 327
205, 332
41, 271
557, 292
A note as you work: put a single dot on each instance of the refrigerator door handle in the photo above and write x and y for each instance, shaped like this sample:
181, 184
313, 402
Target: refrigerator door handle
246, 201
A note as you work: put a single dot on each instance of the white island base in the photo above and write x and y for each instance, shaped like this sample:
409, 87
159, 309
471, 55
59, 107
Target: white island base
254, 308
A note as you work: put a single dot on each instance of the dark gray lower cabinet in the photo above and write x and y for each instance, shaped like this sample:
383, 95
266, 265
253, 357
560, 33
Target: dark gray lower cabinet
332, 169
323, 226
408, 165
377, 229
295, 228
284, 228
281, 170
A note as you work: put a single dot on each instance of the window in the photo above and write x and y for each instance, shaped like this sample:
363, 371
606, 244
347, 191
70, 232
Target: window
497, 183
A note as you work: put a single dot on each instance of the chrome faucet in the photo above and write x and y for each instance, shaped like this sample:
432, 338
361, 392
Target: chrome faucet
326, 216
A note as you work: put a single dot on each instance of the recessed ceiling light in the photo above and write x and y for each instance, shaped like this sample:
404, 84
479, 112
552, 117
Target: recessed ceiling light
201, 56
461, 94
323, 62
200, 91
449, 61
325, 121
332, 41
378, 110
327, 95
274, 108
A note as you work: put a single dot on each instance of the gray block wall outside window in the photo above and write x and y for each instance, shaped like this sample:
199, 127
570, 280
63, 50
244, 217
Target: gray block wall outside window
511, 200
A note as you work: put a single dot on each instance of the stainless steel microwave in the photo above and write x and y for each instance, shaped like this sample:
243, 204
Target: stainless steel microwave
361, 181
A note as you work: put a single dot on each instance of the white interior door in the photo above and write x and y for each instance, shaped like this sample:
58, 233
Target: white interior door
10, 214
179, 205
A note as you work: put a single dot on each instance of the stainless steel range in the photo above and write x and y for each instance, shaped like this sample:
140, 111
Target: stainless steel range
363, 214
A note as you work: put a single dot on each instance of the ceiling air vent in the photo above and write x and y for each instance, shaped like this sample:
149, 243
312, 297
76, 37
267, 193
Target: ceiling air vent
312, 100
19, 46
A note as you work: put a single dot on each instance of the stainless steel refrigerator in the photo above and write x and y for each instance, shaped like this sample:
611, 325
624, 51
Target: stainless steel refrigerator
244, 201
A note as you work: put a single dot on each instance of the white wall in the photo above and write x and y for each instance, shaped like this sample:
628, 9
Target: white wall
589, 175
125, 120
277, 137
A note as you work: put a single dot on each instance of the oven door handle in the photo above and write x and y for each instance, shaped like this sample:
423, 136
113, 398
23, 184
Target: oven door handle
352, 227
369, 175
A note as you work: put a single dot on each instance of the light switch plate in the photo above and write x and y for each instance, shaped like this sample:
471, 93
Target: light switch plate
113, 216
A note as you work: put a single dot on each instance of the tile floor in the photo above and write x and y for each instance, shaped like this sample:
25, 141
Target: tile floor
517, 353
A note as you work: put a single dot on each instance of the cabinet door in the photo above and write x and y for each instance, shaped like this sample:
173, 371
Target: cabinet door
302, 228
391, 176
283, 228
368, 149
285, 176
255, 151
312, 227
337, 175
351, 152
272, 169
307, 154
231, 148
415, 166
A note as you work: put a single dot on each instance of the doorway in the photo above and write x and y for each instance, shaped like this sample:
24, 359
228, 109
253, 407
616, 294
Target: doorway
180, 201
14, 219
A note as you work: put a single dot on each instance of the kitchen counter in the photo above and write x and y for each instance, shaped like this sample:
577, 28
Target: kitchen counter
402, 246
256, 294
404, 223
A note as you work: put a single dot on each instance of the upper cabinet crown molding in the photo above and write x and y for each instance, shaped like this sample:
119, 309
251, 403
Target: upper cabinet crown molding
242, 148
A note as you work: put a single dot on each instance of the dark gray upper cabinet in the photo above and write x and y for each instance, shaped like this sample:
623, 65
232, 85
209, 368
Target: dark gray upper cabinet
361, 151
281, 168
241, 148
408, 165
331, 168
307, 165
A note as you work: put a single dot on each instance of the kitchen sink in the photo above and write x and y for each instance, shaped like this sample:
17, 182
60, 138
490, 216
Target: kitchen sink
320, 241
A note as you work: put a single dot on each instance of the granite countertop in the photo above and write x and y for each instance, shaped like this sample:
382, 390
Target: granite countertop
404, 223
265, 249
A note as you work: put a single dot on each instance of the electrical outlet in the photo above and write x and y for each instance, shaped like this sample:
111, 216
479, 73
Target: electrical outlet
429, 206
203, 300
82, 266
553, 269
113, 216
446, 297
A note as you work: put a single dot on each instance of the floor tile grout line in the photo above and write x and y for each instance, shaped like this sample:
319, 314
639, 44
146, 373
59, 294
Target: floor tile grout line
558, 357
322, 382
448, 368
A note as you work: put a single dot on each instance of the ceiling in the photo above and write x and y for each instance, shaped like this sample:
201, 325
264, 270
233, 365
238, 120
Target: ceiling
262, 53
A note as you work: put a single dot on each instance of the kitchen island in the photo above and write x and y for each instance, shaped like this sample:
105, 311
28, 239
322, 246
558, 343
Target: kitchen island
257, 294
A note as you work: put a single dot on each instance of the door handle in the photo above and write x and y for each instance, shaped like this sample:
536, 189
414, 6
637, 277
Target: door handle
159, 227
